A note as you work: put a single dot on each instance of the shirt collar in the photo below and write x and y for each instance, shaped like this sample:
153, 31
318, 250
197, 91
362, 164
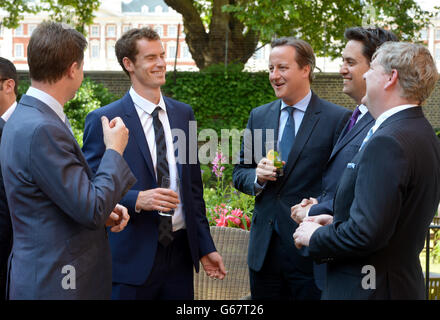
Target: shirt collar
49, 100
300, 105
381, 119
363, 109
144, 104
7, 114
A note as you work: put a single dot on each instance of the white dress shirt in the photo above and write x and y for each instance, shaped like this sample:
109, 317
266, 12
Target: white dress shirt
144, 109
363, 109
7, 114
389, 113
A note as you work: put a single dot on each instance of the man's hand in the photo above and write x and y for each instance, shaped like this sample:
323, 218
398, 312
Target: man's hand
266, 171
301, 210
159, 199
118, 219
304, 232
213, 265
322, 219
115, 134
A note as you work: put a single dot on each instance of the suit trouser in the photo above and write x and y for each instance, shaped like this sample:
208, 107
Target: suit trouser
280, 279
171, 277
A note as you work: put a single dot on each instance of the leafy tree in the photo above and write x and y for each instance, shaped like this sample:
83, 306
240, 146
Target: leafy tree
78, 13
211, 25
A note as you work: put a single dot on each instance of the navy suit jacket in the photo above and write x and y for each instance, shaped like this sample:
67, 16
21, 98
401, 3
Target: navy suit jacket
384, 204
320, 128
345, 149
133, 250
5, 230
58, 208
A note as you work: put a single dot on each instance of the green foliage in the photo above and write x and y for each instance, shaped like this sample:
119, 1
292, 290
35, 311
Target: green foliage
323, 22
90, 96
221, 100
77, 13
437, 132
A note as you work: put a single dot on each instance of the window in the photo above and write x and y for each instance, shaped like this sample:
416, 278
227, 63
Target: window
185, 52
172, 31
159, 30
424, 34
125, 28
94, 50
437, 34
19, 50
171, 52
31, 28
19, 31
259, 55
111, 31
94, 31
1, 31
111, 50
437, 52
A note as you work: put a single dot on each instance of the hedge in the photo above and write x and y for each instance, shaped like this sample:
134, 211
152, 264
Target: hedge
219, 100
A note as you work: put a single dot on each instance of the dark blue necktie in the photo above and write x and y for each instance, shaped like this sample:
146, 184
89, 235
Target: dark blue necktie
288, 137
165, 224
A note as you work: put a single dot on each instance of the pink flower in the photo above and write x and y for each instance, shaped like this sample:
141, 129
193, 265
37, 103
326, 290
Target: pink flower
237, 212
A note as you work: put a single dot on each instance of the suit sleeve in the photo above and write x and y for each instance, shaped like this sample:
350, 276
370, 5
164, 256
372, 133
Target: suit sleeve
94, 149
62, 176
324, 207
379, 191
244, 173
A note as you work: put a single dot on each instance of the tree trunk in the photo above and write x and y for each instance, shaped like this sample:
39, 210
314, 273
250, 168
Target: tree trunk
208, 47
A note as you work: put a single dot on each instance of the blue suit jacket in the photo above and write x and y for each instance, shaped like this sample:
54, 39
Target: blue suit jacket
58, 208
133, 250
320, 128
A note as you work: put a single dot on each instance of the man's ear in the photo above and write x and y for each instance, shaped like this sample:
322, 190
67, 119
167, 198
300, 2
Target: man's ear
9, 86
392, 79
72, 70
128, 64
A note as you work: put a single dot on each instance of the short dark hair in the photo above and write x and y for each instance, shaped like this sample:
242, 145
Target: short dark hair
304, 52
52, 49
126, 46
371, 38
8, 71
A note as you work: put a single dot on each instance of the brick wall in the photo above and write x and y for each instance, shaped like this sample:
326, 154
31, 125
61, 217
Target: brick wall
327, 85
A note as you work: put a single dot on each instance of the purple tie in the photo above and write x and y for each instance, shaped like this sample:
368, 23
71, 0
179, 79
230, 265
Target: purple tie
353, 119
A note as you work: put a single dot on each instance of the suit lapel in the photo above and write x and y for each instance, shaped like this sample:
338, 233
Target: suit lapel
343, 141
174, 124
133, 122
308, 123
271, 123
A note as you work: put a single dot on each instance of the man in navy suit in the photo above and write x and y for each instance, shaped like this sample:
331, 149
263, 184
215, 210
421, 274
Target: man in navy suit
388, 193
59, 209
305, 128
155, 256
356, 57
8, 102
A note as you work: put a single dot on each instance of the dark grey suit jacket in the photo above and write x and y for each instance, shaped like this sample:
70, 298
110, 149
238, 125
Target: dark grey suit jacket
319, 131
384, 204
58, 208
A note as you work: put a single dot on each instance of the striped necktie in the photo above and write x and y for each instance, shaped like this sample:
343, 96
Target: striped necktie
288, 137
162, 170
369, 134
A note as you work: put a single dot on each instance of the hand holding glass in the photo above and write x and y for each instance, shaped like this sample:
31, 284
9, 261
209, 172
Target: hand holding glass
169, 183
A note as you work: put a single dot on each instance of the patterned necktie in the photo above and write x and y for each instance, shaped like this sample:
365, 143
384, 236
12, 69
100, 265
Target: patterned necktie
162, 170
288, 137
369, 134
353, 119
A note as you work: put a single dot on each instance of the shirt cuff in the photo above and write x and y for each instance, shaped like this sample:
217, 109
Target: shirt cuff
257, 187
